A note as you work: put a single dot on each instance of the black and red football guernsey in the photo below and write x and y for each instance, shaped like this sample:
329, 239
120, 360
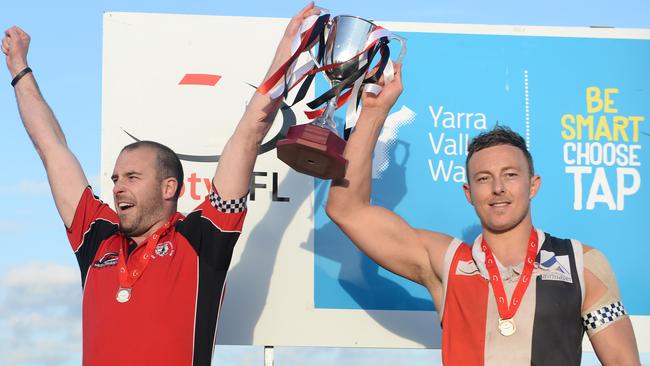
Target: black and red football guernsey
548, 322
172, 313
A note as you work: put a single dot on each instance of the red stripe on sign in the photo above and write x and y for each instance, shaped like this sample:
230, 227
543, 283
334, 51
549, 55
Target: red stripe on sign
200, 79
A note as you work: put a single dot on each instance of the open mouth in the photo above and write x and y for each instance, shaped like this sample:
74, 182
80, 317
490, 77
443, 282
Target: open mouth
125, 206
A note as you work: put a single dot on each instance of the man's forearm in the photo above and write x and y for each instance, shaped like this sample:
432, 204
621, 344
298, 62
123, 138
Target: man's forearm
39, 120
360, 152
355, 187
232, 177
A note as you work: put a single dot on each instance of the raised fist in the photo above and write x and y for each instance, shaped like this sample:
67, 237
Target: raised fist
15, 45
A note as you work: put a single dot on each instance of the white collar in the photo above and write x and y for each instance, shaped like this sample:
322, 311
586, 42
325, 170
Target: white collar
479, 257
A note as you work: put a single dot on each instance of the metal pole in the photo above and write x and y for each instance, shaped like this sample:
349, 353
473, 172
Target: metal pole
268, 355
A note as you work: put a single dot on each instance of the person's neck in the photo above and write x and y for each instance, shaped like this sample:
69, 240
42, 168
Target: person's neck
509, 247
157, 225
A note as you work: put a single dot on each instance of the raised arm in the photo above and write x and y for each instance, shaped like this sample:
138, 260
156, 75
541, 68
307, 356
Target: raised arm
380, 233
236, 163
609, 331
64, 173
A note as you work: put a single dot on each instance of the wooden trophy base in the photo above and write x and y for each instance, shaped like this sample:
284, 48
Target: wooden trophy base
314, 151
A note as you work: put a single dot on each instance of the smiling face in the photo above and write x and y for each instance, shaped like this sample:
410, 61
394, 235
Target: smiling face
500, 187
139, 194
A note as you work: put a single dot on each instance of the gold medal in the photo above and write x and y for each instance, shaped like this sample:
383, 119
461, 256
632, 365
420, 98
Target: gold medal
507, 327
123, 295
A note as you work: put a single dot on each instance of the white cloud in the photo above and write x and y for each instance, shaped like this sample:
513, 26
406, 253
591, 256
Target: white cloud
325, 356
38, 275
40, 315
294, 356
39, 352
41, 284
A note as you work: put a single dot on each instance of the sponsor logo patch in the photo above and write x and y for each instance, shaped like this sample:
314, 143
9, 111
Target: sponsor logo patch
108, 259
554, 267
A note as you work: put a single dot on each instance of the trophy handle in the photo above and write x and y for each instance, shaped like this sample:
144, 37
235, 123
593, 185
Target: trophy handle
402, 42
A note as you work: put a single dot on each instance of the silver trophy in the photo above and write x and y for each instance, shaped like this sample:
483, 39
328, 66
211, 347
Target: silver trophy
316, 148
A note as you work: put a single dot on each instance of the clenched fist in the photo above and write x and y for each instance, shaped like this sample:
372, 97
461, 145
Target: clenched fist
15, 45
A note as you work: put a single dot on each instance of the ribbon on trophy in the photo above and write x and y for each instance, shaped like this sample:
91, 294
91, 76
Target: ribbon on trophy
348, 48
377, 44
311, 34
311, 31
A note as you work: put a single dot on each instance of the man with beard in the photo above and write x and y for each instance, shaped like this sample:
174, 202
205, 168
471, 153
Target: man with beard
152, 279
517, 296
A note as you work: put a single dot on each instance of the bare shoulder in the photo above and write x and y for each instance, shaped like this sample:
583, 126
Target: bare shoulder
601, 287
587, 248
595, 260
595, 263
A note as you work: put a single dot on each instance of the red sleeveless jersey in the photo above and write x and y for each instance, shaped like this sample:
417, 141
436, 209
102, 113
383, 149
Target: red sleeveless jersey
548, 322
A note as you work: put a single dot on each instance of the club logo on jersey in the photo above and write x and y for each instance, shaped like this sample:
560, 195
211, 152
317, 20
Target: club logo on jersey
108, 259
554, 267
164, 249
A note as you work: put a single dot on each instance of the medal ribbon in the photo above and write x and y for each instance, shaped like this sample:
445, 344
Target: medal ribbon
126, 277
507, 311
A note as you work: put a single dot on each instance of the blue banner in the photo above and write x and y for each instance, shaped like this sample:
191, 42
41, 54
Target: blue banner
581, 103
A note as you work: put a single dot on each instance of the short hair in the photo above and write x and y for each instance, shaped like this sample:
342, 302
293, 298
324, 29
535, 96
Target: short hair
499, 135
169, 165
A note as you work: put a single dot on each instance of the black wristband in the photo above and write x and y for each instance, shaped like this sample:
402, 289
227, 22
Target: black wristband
20, 75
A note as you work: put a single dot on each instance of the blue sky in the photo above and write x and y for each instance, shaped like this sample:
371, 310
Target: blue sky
66, 55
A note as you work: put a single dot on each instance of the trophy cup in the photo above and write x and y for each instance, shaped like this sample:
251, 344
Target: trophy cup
315, 148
